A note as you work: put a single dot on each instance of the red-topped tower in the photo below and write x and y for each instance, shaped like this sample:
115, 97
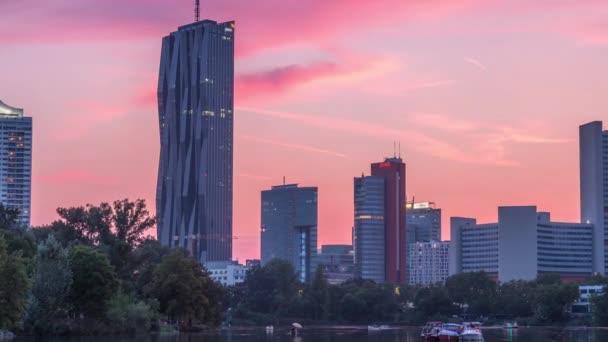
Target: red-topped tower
393, 171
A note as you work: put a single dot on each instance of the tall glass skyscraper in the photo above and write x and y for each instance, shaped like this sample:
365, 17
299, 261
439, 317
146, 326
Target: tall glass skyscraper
195, 106
289, 227
16, 161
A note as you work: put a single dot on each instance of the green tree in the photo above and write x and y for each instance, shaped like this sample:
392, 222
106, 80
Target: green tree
271, 289
13, 286
475, 289
551, 297
94, 281
320, 295
48, 305
143, 261
184, 290
514, 299
128, 315
599, 309
8, 217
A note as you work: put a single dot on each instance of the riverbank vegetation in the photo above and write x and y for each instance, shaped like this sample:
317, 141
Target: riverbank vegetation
272, 294
93, 271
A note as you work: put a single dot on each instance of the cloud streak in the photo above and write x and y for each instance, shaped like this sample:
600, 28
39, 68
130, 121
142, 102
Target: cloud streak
475, 63
299, 147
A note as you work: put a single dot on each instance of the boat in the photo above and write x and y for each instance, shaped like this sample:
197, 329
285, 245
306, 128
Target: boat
377, 327
442, 332
269, 329
511, 325
471, 332
430, 331
449, 332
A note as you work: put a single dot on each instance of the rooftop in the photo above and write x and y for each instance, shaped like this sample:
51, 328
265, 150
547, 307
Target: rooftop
10, 112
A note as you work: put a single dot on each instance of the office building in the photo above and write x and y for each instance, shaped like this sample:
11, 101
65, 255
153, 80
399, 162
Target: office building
195, 106
423, 222
338, 263
16, 163
523, 244
379, 230
227, 273
369, 230
393, 172
428, 263
289, 227
593, 144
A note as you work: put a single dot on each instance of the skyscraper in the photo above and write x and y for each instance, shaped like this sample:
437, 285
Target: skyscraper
195, 106
379, 232
369, 230
423, 222
16, 162
593, 144
393, 172
289, 227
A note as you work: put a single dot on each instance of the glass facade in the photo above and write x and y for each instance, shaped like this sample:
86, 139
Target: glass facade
16, 161
289, 227
195, 105
428, 263
423, 224
369, 230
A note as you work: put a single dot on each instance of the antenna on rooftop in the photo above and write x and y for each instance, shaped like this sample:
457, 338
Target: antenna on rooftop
394, 149
400, 150
197, 10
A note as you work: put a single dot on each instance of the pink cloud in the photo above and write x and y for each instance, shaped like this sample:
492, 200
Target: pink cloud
299, 147
73, 176
475, 63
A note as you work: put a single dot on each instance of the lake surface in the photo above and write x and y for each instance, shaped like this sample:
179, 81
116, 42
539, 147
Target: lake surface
353, 334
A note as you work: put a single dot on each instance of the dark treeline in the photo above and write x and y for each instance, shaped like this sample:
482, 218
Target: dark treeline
272, 294
92, 271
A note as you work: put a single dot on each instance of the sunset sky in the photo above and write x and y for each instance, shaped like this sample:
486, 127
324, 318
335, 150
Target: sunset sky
485, 97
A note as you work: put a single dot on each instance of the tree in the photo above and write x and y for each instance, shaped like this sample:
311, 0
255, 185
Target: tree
474, 289
271, 289
184, 289
320, 295
514, 299
94, 281
8, 217
48, 304
13, 286
550, 298
143, 261
599, 308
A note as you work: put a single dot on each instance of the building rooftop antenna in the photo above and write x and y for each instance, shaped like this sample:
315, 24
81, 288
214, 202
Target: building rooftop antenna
197, 10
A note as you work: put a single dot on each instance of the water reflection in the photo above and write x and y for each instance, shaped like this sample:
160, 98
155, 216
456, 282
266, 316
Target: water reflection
352, 334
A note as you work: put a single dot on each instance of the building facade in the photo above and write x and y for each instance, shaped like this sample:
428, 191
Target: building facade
523, 244
227, 273
195, 106
593, 145
423, 222
338, 263
583, 305
16, 162
428, 263
289, 227
369, 228
393, 172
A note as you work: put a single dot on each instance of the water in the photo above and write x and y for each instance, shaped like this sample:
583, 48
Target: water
354, 334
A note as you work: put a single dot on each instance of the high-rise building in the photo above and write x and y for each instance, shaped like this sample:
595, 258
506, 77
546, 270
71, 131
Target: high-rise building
337, 262
521, 245
379, 231
423, 222
195, 106
393, 172
593, 144
289, 227
16, 163
428, 262
369, 229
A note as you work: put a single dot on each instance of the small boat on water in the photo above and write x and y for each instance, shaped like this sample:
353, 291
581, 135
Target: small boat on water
511, 325
448, 332
377, 327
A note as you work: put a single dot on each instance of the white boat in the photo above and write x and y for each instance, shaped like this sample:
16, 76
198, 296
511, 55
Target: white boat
471, 332
511, 325
377, 327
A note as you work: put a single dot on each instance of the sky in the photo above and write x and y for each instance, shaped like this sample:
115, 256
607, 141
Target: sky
484, 97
